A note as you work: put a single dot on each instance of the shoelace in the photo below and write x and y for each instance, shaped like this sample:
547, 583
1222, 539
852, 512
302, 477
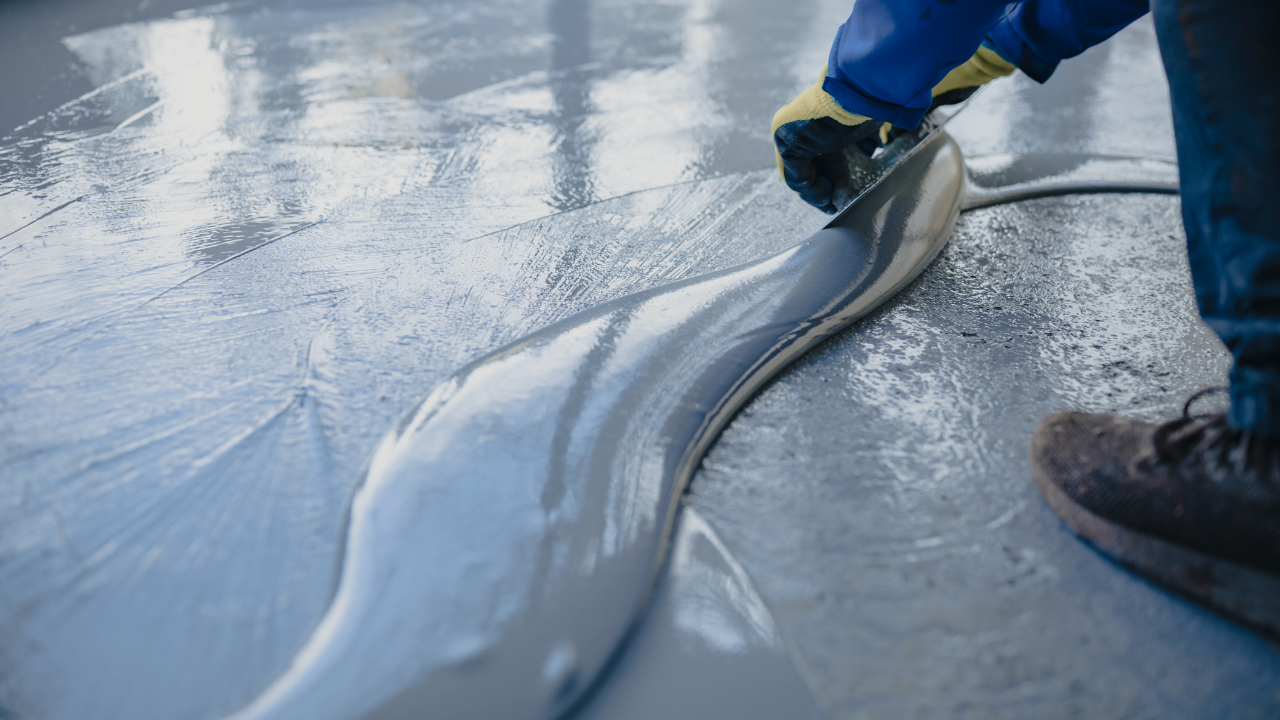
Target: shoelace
1221, 445
1186, 407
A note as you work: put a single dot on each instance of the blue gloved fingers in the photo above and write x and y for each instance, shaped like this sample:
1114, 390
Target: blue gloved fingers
810, 135
798, 149
810, 153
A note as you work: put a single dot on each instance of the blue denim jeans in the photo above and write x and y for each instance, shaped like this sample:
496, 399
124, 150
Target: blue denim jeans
1223, 64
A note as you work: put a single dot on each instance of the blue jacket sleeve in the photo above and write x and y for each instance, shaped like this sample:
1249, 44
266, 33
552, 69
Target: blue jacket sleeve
1037, 34
890, 53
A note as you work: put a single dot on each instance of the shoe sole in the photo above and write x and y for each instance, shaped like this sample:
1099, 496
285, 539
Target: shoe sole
1242, 593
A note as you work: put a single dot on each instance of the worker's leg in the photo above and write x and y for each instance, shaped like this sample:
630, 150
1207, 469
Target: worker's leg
1195, 503
1223, 63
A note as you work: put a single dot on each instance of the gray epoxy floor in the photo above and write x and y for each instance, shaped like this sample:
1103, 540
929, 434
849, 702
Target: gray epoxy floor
879, 494
880, 497
181, 425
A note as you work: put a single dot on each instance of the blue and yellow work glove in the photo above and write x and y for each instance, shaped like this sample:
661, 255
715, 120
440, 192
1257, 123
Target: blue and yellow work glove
812, 132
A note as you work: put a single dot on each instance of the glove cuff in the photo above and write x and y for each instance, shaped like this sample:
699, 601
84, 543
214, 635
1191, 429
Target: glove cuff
990, 61
985, 65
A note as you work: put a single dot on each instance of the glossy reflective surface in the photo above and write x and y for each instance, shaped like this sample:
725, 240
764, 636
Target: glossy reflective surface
878, 492
709, 646
238, 242
572, 415
510, 528
249, 237
998, 179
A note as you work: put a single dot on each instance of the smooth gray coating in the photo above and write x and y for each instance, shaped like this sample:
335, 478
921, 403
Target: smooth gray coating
574, 445
253, 235
708, 647
1000, 179
178, 440
558, 412
878, 493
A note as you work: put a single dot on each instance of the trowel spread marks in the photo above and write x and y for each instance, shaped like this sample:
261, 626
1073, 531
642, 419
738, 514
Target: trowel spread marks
180, 467
509, 531
574, 444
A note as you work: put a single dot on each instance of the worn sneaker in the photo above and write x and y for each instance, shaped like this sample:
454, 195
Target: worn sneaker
1192, 504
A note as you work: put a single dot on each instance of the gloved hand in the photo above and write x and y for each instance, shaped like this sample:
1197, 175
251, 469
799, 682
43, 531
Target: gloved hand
810, 134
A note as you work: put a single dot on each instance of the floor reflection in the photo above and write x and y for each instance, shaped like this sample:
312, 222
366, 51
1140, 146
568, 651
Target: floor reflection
569, 22
248, 236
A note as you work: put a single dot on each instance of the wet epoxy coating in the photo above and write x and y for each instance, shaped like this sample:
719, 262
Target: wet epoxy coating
709, 646
879, 493
508, 530
180, 438
184, 424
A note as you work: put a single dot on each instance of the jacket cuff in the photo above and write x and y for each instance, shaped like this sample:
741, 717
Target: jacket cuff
859, 102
